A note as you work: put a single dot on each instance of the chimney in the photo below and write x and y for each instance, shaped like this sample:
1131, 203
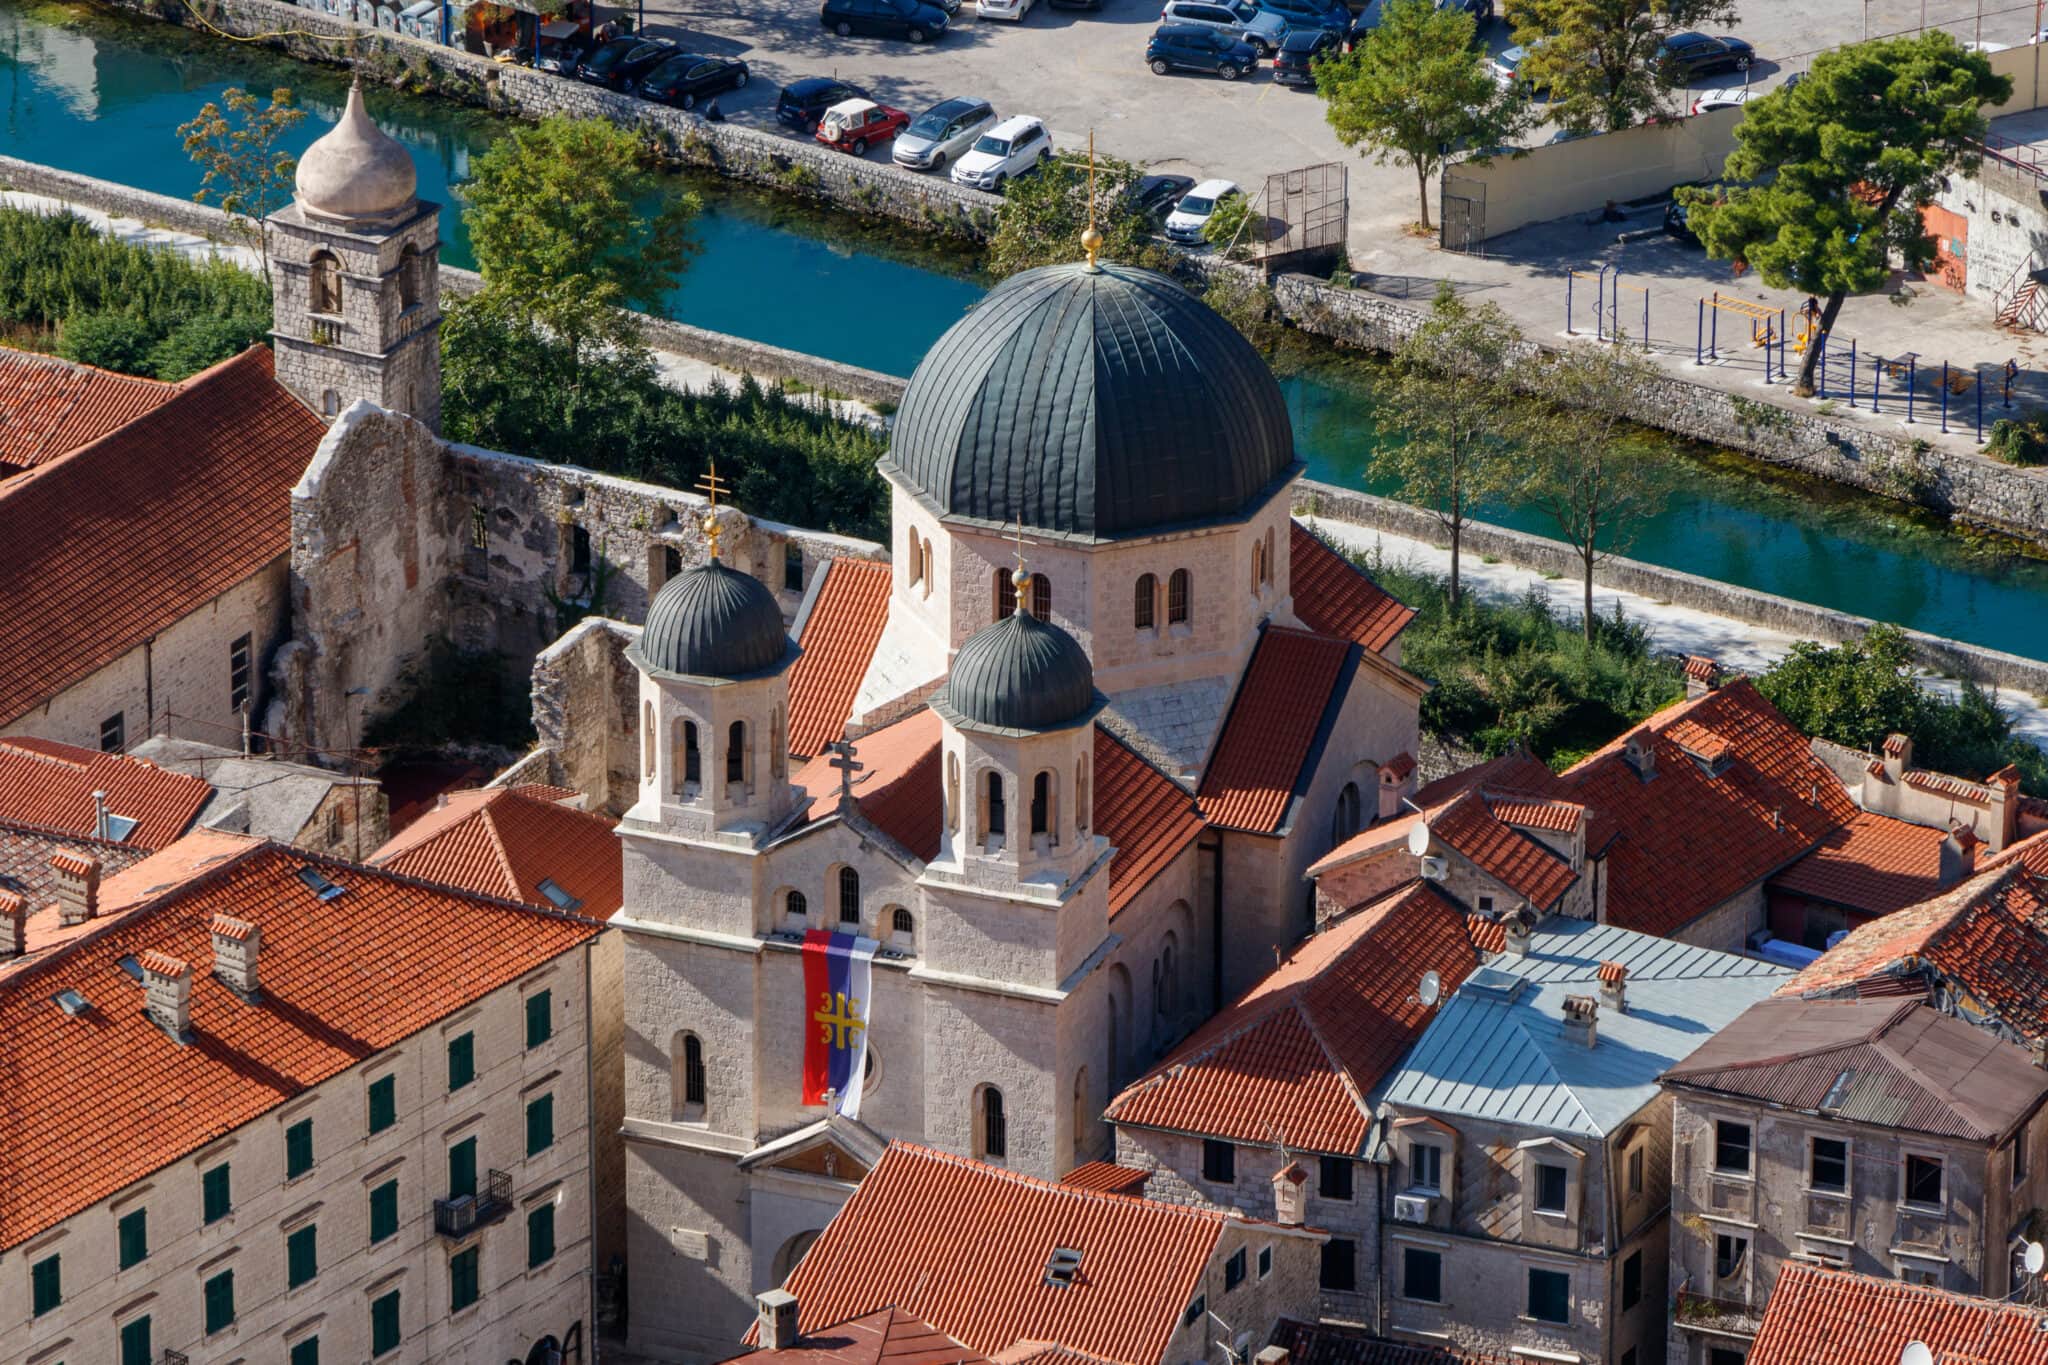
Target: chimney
1898, 756
1958, 854
1397, 783
1290, 1195
1581, 1019
776, 1314
1702, 675
2037, 1050
1640, 753
100, 828
13, 924
1515, 930
78, 886
1271, 1355
1614, 987
2005, 806
236, 944
167, 983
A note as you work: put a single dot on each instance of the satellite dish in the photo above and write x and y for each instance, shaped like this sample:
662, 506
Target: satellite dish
1418, 838
1916, 1353
2033, 1258
1432, 990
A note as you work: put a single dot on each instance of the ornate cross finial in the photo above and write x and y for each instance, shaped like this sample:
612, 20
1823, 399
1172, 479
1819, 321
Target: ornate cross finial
711, 486
1091, 239
843, 759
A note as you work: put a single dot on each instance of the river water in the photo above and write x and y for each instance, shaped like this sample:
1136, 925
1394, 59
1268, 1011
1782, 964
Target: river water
103, 96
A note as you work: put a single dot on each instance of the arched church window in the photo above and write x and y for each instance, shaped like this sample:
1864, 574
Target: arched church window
796, 907
1144, 602
409, 276
330, 403
687, 1087
1041, 597
678, 752
1006, 595
1344, 822
849, 896
1081, 795
323, 283
925, 567
1179, 591
1041, 804
991, 1128
913, 560
647, 740
693, 758
736, 752
903, 924
995, 818
1258, 564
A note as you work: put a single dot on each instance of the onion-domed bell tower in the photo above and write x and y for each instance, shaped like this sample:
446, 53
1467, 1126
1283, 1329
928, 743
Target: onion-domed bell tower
355, 259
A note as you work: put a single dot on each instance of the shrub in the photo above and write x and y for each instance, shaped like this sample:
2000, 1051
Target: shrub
112, 341
2024, 441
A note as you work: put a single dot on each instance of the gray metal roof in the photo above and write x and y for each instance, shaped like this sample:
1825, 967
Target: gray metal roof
1020, 674
1497, 1048
1095, 404
712, 622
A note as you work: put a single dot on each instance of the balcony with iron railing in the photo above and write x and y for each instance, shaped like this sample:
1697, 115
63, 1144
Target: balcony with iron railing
1723, 1317
171, 1357
463, 1214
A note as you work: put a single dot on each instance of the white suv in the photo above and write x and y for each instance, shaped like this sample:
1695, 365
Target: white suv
1012, 147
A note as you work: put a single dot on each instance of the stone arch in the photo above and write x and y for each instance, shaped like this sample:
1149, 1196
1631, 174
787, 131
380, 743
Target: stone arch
791, 1252
848, 885
925, 567
1258, 564
913, 559
688, 1083
1345, 818
952, 793
991, 1124
409, 276
647, 740
994, 810
1045, 811
1081, 795
1145, 602
323, 283
778, 744
330, 403
1180, 597
1006, 595
737, 759
901, 926
1041, 597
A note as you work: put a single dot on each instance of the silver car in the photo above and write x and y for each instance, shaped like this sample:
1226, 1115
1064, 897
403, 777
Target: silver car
941, 133
1241, 19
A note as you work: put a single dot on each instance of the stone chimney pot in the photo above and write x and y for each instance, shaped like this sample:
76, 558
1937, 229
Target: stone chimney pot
78, 886
1581, 1019
1640, 753
1614, 986
1290, 1195
167, 983
776, 1310
236, 945
13, 924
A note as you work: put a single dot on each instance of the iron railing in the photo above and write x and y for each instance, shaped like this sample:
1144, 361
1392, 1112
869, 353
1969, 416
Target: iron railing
1706, 1313
463, 1214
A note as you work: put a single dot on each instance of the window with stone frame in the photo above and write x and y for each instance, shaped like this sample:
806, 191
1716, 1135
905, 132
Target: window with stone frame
995, 816
792, 567
1340, 1266
1144, 602
1041, 805
1422, 1274
114, 733
1041, 597
1827, 1165
1006, 595
1730, 1251
1922, 1180
409, 277
1426, 1167
849, 896
1219, 1162
1180, 591
688, 1085
1550, 1295
1336, 1182
736, 753
1731, 1147
991, 1125
323, 284
1552, 1184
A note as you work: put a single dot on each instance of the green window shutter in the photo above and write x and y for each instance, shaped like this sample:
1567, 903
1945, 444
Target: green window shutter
46, 1278
301, 1255
133, 1230
305, 1352
540, 1018
216, 1194
220, 1302
384, 1333
462, 1168
463, 1288
540, 1236
135, 1343
383, 1211
298, 1149
461, 1061
383, 1103
540, 1125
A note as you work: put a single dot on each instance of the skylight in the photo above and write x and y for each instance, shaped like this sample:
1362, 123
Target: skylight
119, 827
1839, 1091
129, 965
318, 883
561, 899
72, 1003
1063, 1267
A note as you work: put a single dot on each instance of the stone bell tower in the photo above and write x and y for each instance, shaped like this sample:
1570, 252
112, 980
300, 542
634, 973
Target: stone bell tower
356, 262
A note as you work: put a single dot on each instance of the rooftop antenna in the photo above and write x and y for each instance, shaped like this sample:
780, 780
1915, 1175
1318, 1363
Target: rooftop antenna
1235, 1356
711, 486
1091, 239
1430, 991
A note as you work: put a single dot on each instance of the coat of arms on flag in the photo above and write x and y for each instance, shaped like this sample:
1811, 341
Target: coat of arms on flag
838, 972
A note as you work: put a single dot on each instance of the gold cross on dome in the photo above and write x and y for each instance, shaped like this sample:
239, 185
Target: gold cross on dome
839, 1019
710, 485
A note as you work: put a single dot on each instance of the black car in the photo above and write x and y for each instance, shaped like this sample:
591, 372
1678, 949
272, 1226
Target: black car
1677, 223
912, 19
1480, 10
1190, 47
1687, 55
802, 103
1155, 195
620, 63
1298, 51
1075, 4
687, 77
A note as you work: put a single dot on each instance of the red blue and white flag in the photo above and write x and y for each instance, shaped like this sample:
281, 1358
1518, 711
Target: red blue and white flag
838, 972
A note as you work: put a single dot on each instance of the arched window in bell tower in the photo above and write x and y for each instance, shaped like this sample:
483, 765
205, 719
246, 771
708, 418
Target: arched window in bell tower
736, 752
409, 277
994, 817
1006, 595
323, 283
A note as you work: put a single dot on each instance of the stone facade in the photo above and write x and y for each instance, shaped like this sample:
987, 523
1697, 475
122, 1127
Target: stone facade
519, 1305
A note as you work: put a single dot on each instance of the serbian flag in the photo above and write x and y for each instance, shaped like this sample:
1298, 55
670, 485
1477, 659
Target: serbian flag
838, 970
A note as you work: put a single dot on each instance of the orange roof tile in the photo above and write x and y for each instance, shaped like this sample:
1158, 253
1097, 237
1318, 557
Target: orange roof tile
1834, 1317
1399, 766
2032, 850
1332, 596
1107, 1175
128, 876
1146, 814
162, 964
137, 530
1954, 787
887, 1336
1560, 817
94, 1103
49, 406
963, 1246
1273, 722
898, 785
1874, 864
838, 641
505, 841
1326, 1343
1698, 741
50, 786
1529, 869
1297, 1054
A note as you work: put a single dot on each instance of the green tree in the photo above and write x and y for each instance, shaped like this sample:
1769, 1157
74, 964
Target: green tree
571, 226
110, 340
1598, 58
1416, 90
1581, 467
247, 171
1855, 693
1044, 215
1450, 402
1854, 152
1225, 228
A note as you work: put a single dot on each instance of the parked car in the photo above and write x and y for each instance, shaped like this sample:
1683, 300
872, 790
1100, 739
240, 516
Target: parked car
1155, 195
620, 63
1687, 55
1012, 10
853, 125
1191, 47
563, 55
1676, 224
1313, 15
1735, 96
1480, 10
1506, 67
802, 103
1293, 63
942, 133
916, 20
1016, 145
687, 77
1075, 4
1191, 214
1241, 19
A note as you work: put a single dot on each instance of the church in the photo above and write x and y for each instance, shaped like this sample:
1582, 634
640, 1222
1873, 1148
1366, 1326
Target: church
1056, 770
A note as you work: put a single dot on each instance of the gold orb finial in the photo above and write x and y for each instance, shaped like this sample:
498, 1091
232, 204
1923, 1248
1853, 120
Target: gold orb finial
1091, 239
1091, 242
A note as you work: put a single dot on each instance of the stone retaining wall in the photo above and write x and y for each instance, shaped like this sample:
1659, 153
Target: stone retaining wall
1950, 657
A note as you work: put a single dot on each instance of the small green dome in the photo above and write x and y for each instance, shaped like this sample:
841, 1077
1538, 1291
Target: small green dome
1019, 674
712, 622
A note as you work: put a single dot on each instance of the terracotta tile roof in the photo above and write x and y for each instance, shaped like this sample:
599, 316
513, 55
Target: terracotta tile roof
1698, 740
505, 841
1906, 1066
137, 530
1701, 668
898, 786
838, 640
1874, 863
887, 1336
50, 786
1894, 745
1313, 1343
963, 1246
1487, 935
49, 406
1043, 1353
2032, 850
1109, 1177
1834, 1317
1334, 597
1974, 793
89, 1105
1507, 855
1272, 725
1399, 766
1560, 817
161, 963
1146, 814
1298, 1052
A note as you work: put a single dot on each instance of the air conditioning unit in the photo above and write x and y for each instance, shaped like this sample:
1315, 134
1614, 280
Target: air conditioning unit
1435, 869
1411, 1208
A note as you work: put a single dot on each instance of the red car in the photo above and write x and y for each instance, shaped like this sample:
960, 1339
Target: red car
852, 125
